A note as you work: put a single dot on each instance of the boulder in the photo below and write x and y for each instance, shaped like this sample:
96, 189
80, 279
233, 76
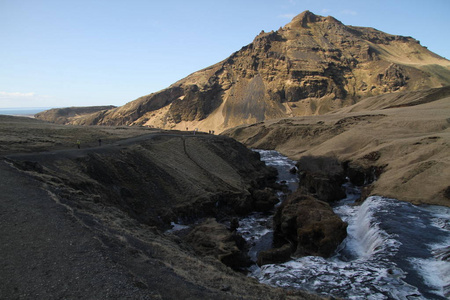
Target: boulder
364, 172
275, 255
211, 238
310, 225
322, 177
264, 199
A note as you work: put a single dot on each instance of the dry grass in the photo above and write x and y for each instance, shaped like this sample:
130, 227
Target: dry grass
21, 134
412, 141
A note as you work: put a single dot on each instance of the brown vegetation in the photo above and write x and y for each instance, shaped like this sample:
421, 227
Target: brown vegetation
406, 147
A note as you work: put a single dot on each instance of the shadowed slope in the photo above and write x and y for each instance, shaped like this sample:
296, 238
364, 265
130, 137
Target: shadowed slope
80, 223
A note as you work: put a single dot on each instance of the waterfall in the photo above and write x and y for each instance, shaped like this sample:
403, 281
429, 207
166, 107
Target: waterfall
394, 250
368, 238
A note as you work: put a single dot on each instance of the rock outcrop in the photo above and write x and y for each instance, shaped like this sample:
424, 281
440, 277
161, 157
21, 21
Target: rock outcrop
275, 255
211, 238
304, 226
311, 66
322, 177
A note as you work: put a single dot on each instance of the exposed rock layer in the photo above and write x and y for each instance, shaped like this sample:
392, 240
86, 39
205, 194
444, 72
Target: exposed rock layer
211, 238
321, 176
311, 66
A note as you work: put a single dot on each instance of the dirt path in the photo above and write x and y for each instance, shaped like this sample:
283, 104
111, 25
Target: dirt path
47, 253
45, 257
74, 152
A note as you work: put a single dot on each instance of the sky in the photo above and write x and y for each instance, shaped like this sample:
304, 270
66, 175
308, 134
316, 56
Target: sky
60, 53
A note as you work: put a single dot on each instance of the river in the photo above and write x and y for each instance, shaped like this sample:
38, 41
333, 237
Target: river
394, 250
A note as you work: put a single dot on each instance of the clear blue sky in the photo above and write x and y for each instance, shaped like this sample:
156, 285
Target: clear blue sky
57, 53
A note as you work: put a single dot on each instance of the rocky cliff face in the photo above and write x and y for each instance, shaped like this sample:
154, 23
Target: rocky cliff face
312, 65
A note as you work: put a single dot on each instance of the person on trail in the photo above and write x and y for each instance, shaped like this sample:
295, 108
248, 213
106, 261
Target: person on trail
99, 142
78, 144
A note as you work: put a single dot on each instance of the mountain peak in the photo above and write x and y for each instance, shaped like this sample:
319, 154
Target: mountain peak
313, 65
307, 17
304, 18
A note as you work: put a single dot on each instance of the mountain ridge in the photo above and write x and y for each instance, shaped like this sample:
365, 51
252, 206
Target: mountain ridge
312, 65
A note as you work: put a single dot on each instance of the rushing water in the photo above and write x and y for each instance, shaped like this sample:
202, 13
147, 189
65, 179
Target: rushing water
256, 229
394, 250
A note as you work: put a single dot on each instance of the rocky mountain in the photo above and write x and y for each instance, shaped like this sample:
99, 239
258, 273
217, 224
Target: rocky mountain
311, 66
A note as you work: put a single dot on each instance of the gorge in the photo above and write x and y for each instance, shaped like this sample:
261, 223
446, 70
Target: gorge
140, 202
394, 250
92, 222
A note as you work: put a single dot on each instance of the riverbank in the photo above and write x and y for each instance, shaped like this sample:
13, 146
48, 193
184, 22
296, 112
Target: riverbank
393, 249
90, 222
405, 137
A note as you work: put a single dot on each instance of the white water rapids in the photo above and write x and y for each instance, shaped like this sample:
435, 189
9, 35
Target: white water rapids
394, 250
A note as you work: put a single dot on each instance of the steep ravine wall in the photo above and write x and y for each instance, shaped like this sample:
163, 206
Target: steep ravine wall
160, 180
123, 196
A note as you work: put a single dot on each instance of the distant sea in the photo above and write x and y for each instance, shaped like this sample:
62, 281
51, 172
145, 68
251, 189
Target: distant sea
22, 111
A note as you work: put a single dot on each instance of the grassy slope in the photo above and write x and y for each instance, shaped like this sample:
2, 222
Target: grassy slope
412, 141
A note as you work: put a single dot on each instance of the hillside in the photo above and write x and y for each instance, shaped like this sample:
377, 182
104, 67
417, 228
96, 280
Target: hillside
311, 66
69, 114
402, 138
91, 223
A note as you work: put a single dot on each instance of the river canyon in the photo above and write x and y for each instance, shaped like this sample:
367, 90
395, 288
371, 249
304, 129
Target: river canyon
394, 250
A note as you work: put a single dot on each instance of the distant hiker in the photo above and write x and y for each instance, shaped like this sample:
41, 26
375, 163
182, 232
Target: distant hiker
99, 142
78, 144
